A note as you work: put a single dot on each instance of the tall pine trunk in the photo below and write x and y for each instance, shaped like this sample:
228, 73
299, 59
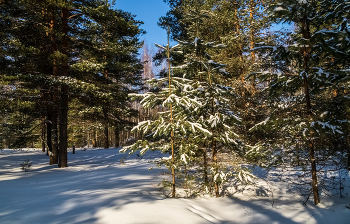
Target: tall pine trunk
64, 92
306, 56
52, 133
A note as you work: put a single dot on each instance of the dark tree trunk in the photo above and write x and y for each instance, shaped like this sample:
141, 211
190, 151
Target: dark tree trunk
215, 161
94, 139
105, 136
314, 173
306, 56
205, 167
44, 99
53, 113
116, 138
54, 132
173, 194
348, 151
349, 158
64, 93
43, 133
63, 128
48, 132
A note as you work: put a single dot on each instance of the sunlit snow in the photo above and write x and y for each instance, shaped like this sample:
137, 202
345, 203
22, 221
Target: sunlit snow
98, 188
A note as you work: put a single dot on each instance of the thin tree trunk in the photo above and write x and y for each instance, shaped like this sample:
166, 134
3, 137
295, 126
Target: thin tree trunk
348, 152
171, 121
252, 33
43, 133
186, 185
44, 99
237, 29
48, 133
348, 148
94, 137
214, 149
105, 136
306, 55
215, 160
54, 132
64, 92
117, 138
105, 109
205, 168
63, 128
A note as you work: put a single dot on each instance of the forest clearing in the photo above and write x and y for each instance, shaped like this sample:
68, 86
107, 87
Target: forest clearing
97, 188
241, 114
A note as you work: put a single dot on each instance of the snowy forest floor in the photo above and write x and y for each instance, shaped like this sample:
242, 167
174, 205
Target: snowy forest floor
97, 188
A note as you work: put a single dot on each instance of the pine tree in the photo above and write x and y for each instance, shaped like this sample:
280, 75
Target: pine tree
301, 88
54, 51
115, 67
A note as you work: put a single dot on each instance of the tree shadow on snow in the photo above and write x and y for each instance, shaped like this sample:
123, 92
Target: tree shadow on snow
75, 195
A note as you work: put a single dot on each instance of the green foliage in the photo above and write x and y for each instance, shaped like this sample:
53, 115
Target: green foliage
103, 63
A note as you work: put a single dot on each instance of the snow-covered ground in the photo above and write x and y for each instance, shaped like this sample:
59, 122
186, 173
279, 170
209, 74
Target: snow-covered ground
98, 188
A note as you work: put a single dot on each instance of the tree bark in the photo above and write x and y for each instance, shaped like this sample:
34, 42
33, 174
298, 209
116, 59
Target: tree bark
117, 138
306, 56
64, 92
348, 158
214, 148
314, 173
348, 151
48, 133
43, 133
63, 128
237, 29
106, 121
205, 168
252, 33
94, 139
215, 161
54, 132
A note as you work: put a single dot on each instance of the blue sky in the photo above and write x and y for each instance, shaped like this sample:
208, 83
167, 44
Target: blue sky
149, 12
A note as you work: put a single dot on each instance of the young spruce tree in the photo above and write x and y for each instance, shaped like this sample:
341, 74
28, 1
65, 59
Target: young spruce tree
199, 125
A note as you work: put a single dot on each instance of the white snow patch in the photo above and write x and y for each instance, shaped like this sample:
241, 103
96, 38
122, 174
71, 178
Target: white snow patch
97, 188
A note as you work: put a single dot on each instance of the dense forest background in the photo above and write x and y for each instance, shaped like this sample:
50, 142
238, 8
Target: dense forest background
232, 92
